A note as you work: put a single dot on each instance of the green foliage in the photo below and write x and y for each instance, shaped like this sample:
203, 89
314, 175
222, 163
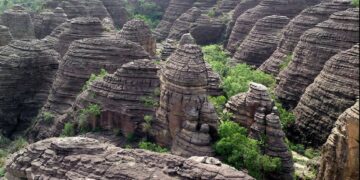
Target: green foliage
69, 130
242, 152
311, 153
218, 102
152, 147
149, 101
148, 122
8, 147
147, 11
151, 23
83, 115
157, 92
34, 5
211, 12
355, 3
18, 144
299, 148
2, 171
130, 137
47, 117
94, 77
286, 117
217, 58
286, 62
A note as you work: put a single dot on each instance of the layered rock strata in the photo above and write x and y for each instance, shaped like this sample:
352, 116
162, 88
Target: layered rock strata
261, 41
185, 119
5, 36
225, 6
246, 21
85, 158
27, 69
137, 31
183, 24
207, 30
47, 21
334, 90
316, 46
19, 23
117, 10
205, 5
175, 9
168, 47
340, 153
307, 19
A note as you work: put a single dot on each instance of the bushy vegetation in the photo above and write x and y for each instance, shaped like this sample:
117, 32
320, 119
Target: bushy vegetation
286, 117
355, 3
92, 110
147, 11
286, 62
242, 152
152, 147
47, 117
69, 130
149, 101
8, 147
34, 5
94, 77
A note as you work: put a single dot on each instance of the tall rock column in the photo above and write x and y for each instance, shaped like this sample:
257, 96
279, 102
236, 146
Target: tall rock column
186, 120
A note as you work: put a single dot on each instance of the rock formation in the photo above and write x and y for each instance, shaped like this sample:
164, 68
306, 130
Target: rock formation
137, 31
47, 21
85, 158
226, 6
5, 36
340, 153
27, 69
78, 28
174, 10
183, 23
247, 20
116, 9
207, 30
168, 47
19, 23
205, 5
316, 46
334, 90
261, 41
185, 118
291, 35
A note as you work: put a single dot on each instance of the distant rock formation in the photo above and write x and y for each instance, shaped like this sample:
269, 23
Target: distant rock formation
175, 9
207, 30
117, 11
137, 31
47, 21
185, 119
334, 90
205, 5
340, 153
247, 20
27, 69
316, 46
307, 19
261, 41
255, 111
5, 36
225, 6
19, 23
85, 158
169, 46
183, 24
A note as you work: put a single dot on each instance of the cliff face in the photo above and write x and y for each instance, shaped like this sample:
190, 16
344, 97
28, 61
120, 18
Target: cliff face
85, 158
27, 69
316, 46
5, 36
340, 153
307, 19
47, 21
261, 41
182, 24
334, 90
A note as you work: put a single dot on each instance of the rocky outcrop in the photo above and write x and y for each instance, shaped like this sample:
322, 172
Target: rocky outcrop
78, 28
340, 153
316, 46
122, 97
334, 90
261, 41
85, 158
175, 9
168, 47
183, 24
47, 21
185, 119
5, 36
27, 69
19, 23
255, 111
207, 30
137, 31
297, 26
225, 6
84, 58
117, 11
246, 21
205, 5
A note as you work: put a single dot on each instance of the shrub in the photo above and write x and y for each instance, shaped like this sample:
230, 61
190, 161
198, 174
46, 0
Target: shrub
94, 77
48, 117
149, 101
18, 144
242, 152
7, 147
130, 137
218, 102
286, 117
355, 3
147, 11
68, 130
152, 147
211, 12
286, 62
311, 153
2, 171
147, 125
4, 142
84, 114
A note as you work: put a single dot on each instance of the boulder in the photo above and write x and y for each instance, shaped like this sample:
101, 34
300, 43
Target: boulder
85, 158
47, 21
340, 153
261, 41
335, 89
5, 36
316, 46
307, 19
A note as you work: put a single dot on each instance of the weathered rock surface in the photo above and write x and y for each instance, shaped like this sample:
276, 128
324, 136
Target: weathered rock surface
185, 119
19, 23
183, 24
261, 41
316, 46
85, 158
47, 21
5, 36
226, 6
168, 47
205, 5
117, 11
340, 153
207, 30
78, 28
334, 90
137, 31
27, 69
175, 9
246, 21
297, 26
121, 97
